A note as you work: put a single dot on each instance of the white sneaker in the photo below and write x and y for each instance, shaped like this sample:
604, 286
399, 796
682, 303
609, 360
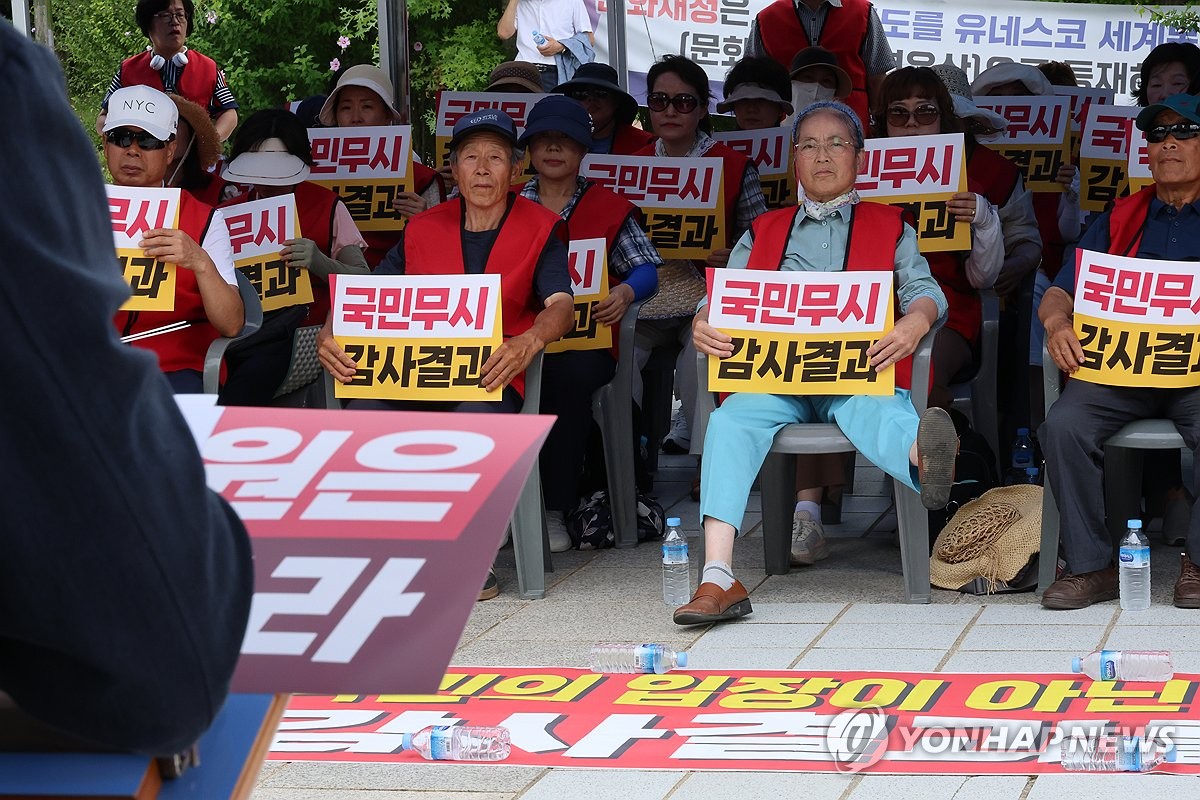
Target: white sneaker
808, 541
560, 540
679, 440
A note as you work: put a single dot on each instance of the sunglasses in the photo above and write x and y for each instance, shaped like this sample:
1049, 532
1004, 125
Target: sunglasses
1180, 130
583, 95
899, 115
123, 137
684, 103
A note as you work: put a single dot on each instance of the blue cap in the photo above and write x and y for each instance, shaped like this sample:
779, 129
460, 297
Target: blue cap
406, 741
681, 658
1185, 105
489, 120
562, 114
1076, 664
1135, 524
673, 522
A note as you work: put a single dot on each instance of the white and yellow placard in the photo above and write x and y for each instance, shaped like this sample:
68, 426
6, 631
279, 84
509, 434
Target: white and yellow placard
771, 151
367, 167
133, 211
800, 332
453, 106
1081, 98
1104, 155
1138, 165
417, 337
1138, 320
257, 232
1038, 137
587, 261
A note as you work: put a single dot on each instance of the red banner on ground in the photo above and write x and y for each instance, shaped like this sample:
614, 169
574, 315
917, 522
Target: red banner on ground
881, 722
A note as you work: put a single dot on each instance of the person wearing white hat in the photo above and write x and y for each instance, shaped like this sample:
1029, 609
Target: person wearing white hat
756, 91
139, 144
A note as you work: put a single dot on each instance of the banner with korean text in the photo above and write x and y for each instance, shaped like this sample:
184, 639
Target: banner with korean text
1081, 98
371, 532
1103, 44
1104, 155
920, 174
1038, 137
133, 211
417, 337
682, 199
771, 152
1138, 166
800, 332
1138, 320
367, 167
257, 231
758, 720
587, 262
453, 106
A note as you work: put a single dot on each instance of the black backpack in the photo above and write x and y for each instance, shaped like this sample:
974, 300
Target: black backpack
974, 473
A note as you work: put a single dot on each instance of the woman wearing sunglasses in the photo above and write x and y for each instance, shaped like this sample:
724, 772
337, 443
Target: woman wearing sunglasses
678, 101
915, 102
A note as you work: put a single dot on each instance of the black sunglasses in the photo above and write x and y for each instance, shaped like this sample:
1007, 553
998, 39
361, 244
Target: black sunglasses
589, 94
123, 137
684, 103
899, 115
1180, 130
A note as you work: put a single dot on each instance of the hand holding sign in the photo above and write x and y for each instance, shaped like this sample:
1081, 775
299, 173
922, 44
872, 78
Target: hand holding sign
509, 360
1063, 346
900, 342
408, 204
175, 247
709, 340
610, 310
332, 357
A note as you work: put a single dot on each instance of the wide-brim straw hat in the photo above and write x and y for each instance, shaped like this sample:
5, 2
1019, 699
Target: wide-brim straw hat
207, 142
992, 537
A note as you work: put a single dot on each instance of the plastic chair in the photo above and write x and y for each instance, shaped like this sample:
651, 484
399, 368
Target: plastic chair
529, 517
1122, 463
977, 397
216, 350
612, 408
777, 481
305, 367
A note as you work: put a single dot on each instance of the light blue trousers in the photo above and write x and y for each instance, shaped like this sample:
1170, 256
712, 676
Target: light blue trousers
740, 433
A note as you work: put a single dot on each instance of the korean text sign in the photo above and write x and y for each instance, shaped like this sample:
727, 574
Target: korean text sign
800, 332
920, 174
367, 167
682, 199
417, 337
1104, 155
587, 262
453, 106
257, 232
133, 211
371, 533
1138, 166
1038, 137
1138, 320
771, 152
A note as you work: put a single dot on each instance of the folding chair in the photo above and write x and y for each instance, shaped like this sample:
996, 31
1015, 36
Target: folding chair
216, 350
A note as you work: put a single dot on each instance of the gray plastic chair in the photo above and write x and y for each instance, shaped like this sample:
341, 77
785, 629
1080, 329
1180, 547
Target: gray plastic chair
977, 397
531, 541
612, 408
216, 350
777, 481
1122, 471
305, 367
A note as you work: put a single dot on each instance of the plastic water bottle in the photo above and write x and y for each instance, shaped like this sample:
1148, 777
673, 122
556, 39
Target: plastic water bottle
1126, 665
1022, 451
459, 743
538, 39
677, 579
655, 658
1113, 753
1134, 565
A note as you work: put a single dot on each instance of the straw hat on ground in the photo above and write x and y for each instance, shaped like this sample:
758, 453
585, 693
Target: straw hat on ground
992, 537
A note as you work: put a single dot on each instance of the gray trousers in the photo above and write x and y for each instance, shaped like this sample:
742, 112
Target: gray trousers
1072, 439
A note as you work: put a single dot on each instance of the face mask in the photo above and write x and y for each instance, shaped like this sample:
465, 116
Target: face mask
805, 93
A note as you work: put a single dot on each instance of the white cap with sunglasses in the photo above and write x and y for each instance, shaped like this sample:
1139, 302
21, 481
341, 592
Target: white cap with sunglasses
145, 108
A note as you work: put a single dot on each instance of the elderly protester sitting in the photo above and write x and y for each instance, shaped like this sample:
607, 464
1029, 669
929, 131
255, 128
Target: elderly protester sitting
1161, 222
139, 144
486, 229
818, 236
558, 136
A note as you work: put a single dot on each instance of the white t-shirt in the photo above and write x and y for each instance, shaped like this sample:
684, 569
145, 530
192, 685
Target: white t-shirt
556, 19
216, 243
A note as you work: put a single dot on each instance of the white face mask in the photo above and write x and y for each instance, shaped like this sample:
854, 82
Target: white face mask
805, 93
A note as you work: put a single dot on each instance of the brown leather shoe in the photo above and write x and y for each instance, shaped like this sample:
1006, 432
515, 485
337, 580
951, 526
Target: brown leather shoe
711, 603
937, 445
1187, 588
1080, 591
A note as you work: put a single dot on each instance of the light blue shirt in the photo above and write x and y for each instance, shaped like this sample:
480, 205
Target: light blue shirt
820, 246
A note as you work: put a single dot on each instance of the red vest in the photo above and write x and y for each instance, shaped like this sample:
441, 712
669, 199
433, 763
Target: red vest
991, 175
1045, 207
844, 33
627, 140
380, 242
433, 246
183, 349
734, 169
964, 313
197, 81
316, 206
1126, 222
875, 230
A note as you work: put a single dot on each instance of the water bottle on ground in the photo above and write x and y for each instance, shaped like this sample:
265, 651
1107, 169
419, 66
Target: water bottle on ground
655, 658
538, 39
459, 743
677, 581
1134, 564
1112, 753
1126, 665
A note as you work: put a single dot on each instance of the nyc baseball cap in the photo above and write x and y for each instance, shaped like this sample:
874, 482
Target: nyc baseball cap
142, 107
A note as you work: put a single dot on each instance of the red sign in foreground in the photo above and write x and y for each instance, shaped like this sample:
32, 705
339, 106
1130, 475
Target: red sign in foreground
372, 533
901, 722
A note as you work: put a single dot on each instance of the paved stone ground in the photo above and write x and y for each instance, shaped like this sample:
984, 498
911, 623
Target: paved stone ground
844, 613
